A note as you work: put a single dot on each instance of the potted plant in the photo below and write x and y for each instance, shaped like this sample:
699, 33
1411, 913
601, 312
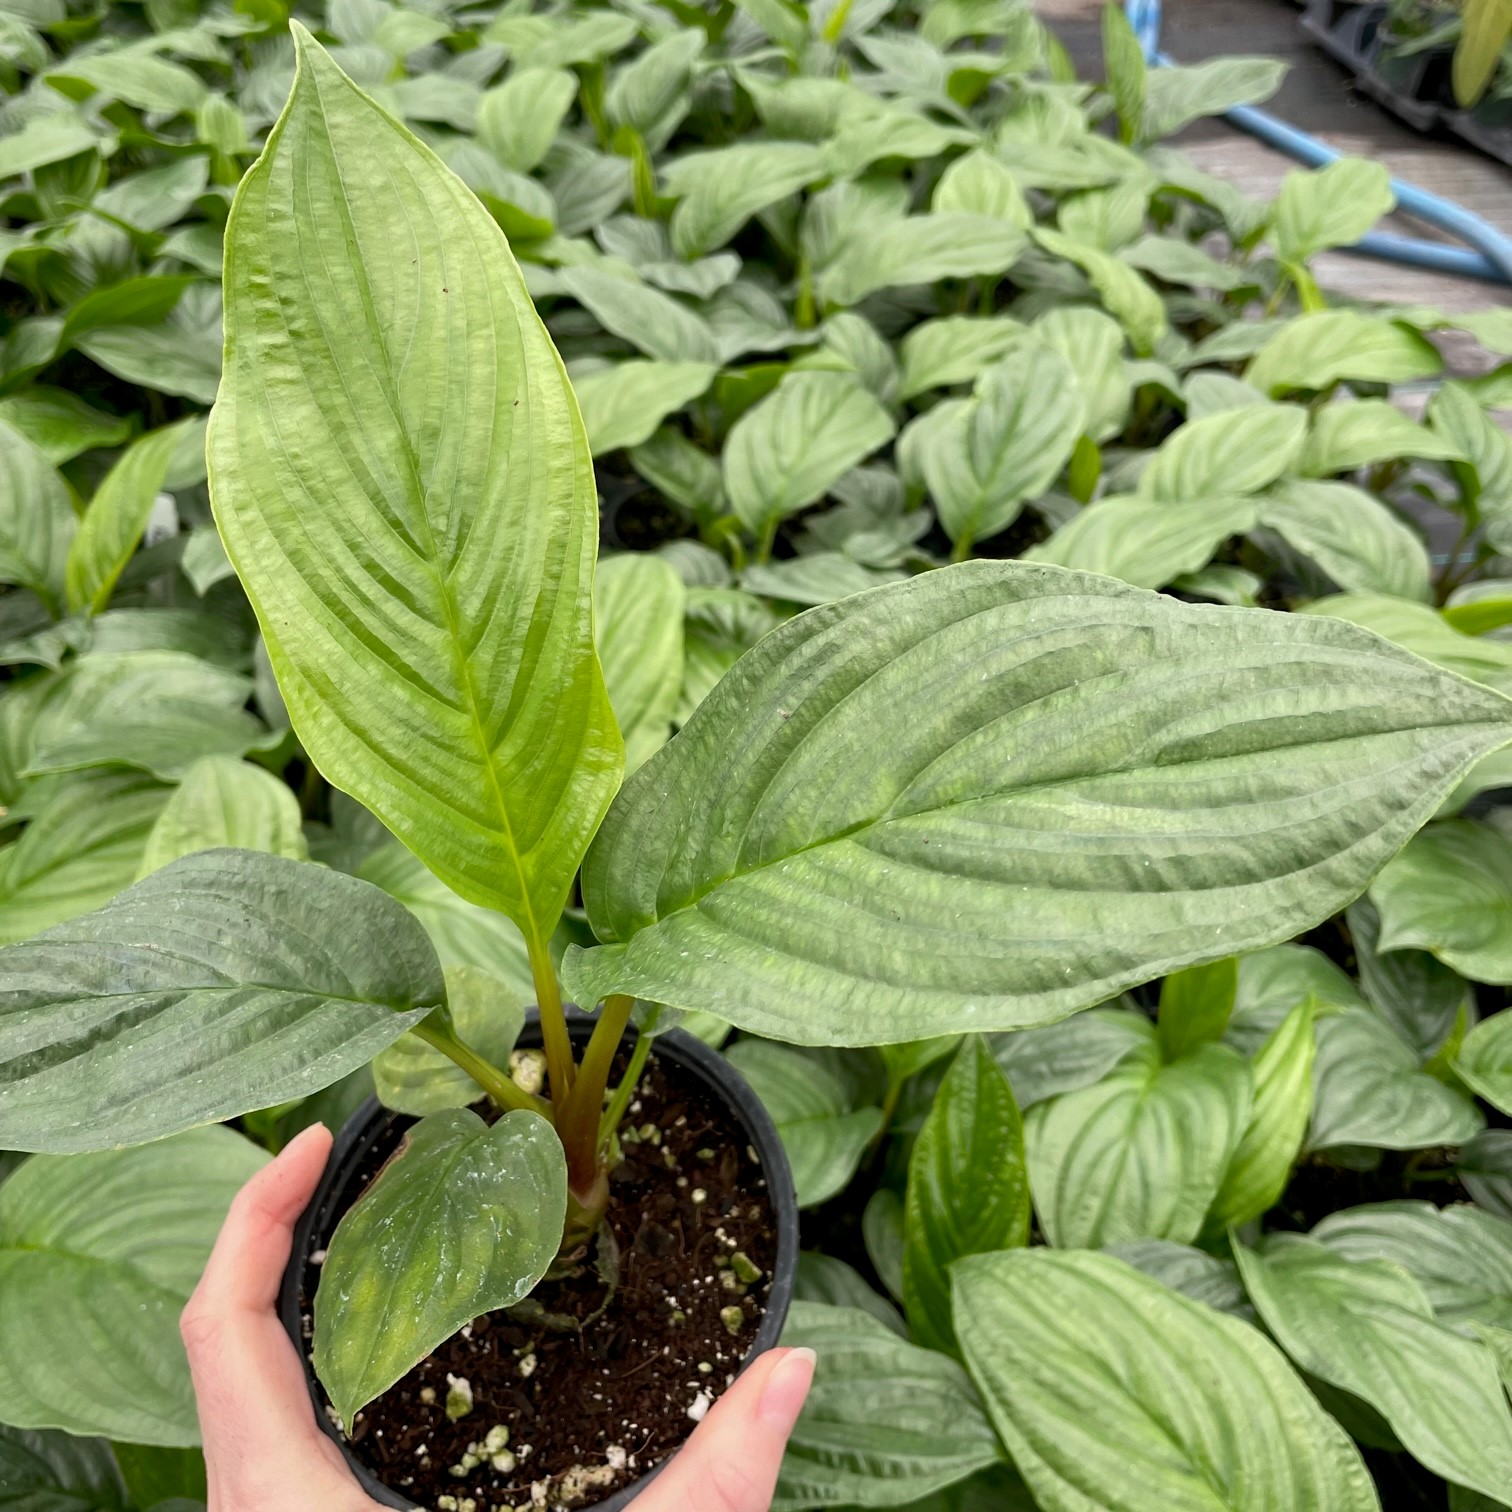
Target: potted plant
982, 798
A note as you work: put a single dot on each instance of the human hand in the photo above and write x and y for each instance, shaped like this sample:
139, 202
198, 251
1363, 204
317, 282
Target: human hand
264, 1451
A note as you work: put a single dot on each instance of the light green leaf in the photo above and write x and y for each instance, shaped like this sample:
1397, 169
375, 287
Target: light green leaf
1484, 1167
1192, 1272
953, 349
1107, 218
978, 183
684, 473
1315, 351
1005, 447
117, 515
1461, 1256
46, 139
1367, 1328
418, 382
180, 354
84, 845
1092, 344
135, 77
968, 1187
1486, 472
413, 1078
723, 188
463, 933
1360, 543
1174, 97
1195, 1006
518, 120
1329, 207
464, 1220
1424, 631
49, 1471
1370, 1090
886, 1421
1272, 983
1485, 1060
1124, 64
1262, 1164
786, 452
1179, 262
37, 521
1233, 453
60, 424
819, 578
1450, 893
882, 1232
1146, 542
1360, 434
245, 981
1135, 305
661, 326
653, 94
225, 802
639, 603
1112, 1391
922, 249
98, 1255
1218, 727
1045, 1062
623, 405
1140, 1154
822, 1107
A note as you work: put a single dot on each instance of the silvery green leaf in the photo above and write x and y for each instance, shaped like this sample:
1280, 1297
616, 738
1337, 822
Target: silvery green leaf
639, 602
1176, 96
653, 93
1233, 453
980, 184
820, 578
1146, 542
1329, 207
823, 1278
953, 349
1123, 291
1076, 1052
1111, 1390
1192, 1272
98, 1255
697, 900
1092, 344
1344, 436
1140, 1154
1179, 262
1368, 1089
465, 1219
1368, 1329
1464, 426
786, 451
682, 472
519, 119
622, 405
1425, 632
922, 249
886, 1421
721, 189
824, 1108
856, 342
1360, 543
59, 423
1484, 1061
1315, 351
37, 521
303, 975
1108, 218
656, 323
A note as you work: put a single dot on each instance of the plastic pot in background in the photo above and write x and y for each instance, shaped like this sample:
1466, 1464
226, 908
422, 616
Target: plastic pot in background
372, 1124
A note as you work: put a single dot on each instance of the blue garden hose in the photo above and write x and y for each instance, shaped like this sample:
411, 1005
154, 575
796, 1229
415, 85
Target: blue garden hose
1487, 253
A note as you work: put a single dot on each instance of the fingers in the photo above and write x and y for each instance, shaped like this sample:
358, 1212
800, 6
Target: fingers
731, 1462
258, 1427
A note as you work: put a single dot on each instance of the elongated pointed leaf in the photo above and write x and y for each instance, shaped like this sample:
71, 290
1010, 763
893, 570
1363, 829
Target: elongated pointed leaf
36, 519
98, 1255
1315, 351
402, 480
117, 515
999, 792
228, 981
1235, 452
968, 1188
640, 601
1112, 1391
464, 1220
1195, 1006
1365, 1327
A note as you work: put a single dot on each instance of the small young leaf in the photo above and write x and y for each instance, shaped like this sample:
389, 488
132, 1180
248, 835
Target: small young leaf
1195, 1006
1233, 453
1124, 64
1329, 207
1091, 1375
464, 1220
921, 249
1315, 351
623, 405
953, 349
968, 1188
1364, 432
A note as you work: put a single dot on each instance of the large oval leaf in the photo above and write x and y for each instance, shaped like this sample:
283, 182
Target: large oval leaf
886, 1422
228, 981
402, 480
465, 1219
1367, 1328
1000, 792
98, 1255
1113, 1392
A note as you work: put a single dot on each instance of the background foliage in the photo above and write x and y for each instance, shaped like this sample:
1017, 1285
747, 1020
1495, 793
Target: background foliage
845, 291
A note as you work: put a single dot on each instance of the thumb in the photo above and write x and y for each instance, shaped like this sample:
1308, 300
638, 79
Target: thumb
731, 1462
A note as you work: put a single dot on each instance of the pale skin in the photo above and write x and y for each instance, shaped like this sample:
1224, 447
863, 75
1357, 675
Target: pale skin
264, 1452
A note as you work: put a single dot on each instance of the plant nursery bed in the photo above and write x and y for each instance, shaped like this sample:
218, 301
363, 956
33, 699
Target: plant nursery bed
600, 1377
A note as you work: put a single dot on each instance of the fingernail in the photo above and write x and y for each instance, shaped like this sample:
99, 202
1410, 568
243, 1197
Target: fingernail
787, 1389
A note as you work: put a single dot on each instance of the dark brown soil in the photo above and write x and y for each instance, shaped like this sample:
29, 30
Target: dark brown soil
595, 1399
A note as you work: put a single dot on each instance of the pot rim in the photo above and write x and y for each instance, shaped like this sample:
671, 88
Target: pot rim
357, 1134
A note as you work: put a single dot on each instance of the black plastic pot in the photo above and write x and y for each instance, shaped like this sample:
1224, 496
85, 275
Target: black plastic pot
371, 1123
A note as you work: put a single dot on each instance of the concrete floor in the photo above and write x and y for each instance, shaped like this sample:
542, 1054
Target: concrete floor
1317, 96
